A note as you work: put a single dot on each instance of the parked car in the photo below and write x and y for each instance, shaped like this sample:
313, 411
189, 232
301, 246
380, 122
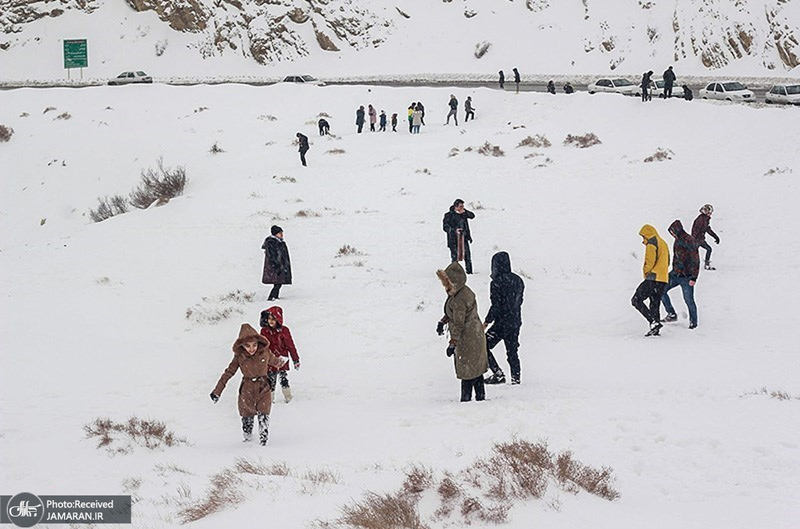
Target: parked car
307, 79
615, 86
728, 91
658, 90
131, 77
784, 93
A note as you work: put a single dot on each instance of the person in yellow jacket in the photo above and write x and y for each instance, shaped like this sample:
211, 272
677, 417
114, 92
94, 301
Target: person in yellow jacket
656, 278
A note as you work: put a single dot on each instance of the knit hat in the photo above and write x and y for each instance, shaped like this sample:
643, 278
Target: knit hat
276, 230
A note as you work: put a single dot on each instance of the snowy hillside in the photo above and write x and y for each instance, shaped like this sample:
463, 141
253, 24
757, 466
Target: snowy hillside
116, 319
349, 37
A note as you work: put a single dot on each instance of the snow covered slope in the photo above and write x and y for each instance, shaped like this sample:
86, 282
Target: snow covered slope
95, 324
350, 37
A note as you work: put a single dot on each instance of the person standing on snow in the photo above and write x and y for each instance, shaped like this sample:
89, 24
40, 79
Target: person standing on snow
669, 80
277, 266
656, 277
251, 354
421, 108
394, 122
645, 86
416, 120
456, 224
281, 345
382, 121
302, 140
453, 110
568, 88
469, 109
373, 118
502, 80
360, 118
685, 269
701, 226
411, 109
505, 317
516, 78
467, 341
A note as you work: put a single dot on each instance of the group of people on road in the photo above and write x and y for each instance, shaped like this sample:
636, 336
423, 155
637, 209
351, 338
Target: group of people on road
647, 84
502, 79
659, 280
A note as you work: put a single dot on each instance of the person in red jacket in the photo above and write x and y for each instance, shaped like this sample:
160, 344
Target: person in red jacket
701, 226
281, 345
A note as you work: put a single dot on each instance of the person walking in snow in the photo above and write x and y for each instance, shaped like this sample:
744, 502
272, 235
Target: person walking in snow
373, 118
467, 341
277, 265
421, 108
456, 225
701, 226
669, 80
551, 87
502, 80
411, 116
394, 122
416, 120
469, 109
568, 88
656, 277
453, 110
252, 356
505, 317
685, 269
324, 127
302, 141
645, 86
360, 118
382, 121
516, 78
281, 345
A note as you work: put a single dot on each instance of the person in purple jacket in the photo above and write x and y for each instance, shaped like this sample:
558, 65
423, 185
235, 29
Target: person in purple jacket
701, 226
685, 269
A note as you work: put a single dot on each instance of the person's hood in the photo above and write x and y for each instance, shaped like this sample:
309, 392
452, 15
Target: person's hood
276, 312
246, 334
453, 278
501, 264
648, 232
677, 228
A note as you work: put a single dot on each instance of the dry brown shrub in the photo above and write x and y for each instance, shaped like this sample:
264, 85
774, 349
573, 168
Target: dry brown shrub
537, 141
453, 152
659, 156
418, 479
267, 117
108, 207
335, 151
48, 109
158, 184
224, 491
383, 511
216, 149
487, 149
481, 48
575, 475
582, 142
6, 133
64, 116
473, 510
307, 213
260, 469
347, 250
149, 434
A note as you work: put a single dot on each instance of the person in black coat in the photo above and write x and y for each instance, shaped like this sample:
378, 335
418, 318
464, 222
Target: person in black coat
669, 80
687, 93
568, 88
645, 85
551, 87
456, 224
277, 266
302, 140
505, 317
360, 118
516, 78
502, 80
324, 127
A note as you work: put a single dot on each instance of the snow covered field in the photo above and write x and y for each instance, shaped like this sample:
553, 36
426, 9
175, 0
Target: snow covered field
94, 314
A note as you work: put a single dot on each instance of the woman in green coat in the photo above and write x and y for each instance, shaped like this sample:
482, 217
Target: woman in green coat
467, 339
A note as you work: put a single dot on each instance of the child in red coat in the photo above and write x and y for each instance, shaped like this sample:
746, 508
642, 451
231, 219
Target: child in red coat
281, 345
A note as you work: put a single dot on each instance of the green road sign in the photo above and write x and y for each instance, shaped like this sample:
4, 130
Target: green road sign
76, 54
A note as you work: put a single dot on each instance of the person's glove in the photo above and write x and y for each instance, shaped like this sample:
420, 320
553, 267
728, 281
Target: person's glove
440, 328
716, 240
214, 397
297, 366
451, 350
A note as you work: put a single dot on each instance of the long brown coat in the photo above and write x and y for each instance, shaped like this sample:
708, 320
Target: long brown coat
254, 394
466, 329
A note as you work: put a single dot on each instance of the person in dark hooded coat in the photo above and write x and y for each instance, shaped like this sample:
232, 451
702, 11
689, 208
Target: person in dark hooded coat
505, 317
277, 266
456, 224
685, 269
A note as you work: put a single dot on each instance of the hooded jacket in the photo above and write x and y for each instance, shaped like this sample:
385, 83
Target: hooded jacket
452, 221
701, 226
277, 265
685, 255
466, 330
280, 339
506, 292
656, 256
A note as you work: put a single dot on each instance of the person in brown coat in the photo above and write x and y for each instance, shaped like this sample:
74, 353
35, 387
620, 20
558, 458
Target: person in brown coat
467, 339
251, 354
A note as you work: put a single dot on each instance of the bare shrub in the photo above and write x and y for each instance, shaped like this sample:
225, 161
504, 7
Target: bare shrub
347, 250
383, 511
476, 205
448, 491
423, 171
335, 151
159, 184
322, 476
284, 179
418, 479
260, 469
267, 117
201, 109
64, 116
120, 438
307, 213
108, 207
224, 491
453, 152
537, 141
481, 48
472, 509
582, 142
6, 133
487, 149
171, 468
24, 115
216, 149
213, 310
592, 480
659, 156
778, 170
778, 394
161, 47
49, 109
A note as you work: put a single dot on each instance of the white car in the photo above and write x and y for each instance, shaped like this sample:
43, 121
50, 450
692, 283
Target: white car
728, 91
784, 93
303, 79
614, 86
658, 90
130, 78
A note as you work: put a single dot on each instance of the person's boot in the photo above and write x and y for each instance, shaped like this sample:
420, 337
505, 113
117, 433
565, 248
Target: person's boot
655, 329
287, 393
707, 266
466, 390
263, 428
247, 428
670, 317
480, 390
496, 378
